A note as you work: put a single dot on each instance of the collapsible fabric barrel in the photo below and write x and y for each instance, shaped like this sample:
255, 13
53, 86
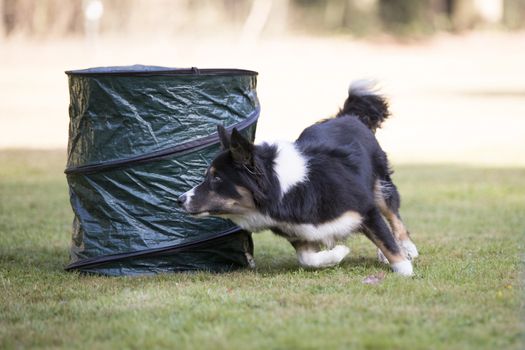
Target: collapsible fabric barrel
139, 137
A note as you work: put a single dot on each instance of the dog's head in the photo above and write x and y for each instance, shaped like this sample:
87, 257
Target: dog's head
229, 184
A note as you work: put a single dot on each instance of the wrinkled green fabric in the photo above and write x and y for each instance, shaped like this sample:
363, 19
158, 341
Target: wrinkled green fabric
132, 207
220, 255
115, 117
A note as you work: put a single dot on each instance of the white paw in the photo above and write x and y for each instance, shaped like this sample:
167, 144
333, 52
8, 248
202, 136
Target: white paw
381, 257
324, 258
340, 251
410, 249
403, 268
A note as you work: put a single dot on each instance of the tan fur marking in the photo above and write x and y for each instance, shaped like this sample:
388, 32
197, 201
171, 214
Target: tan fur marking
352, 215
246, 200
397, 226
392, 258
312, 246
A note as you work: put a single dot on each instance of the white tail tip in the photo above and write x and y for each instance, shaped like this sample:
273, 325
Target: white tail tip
364, 87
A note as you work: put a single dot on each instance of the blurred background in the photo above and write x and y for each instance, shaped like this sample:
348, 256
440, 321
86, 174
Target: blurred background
453, 69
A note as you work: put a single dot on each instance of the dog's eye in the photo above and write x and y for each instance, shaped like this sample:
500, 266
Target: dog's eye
216, 179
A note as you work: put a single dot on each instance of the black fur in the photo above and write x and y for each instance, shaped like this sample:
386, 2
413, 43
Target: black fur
344, 160
371, 109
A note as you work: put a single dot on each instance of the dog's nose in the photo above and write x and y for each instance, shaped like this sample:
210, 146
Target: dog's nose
182, 199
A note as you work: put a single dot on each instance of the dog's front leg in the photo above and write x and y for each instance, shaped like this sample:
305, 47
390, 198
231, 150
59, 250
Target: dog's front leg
311, 256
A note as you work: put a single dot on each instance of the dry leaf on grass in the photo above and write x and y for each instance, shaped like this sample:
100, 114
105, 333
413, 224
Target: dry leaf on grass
374, 279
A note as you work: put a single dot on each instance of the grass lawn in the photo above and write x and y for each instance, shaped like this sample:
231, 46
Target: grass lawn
468, 224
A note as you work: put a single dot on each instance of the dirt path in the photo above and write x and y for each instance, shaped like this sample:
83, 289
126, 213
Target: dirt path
455, 99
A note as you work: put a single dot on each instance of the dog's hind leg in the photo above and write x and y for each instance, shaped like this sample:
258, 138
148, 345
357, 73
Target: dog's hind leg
388, 201
311, 256
376, 229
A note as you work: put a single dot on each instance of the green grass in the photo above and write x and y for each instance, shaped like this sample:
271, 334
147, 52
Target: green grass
468, 292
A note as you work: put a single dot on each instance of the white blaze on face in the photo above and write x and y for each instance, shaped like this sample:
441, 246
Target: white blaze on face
189, 195
290, 166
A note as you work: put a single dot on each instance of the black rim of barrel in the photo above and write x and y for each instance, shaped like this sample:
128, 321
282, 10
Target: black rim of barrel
102, 260
160, 71
186, 147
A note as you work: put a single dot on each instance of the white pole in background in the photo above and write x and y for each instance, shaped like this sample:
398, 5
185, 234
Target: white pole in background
93, 11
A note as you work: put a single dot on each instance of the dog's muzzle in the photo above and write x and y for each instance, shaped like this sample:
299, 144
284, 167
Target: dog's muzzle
182, 200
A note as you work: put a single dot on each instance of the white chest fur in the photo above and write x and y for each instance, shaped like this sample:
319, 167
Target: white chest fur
327, 232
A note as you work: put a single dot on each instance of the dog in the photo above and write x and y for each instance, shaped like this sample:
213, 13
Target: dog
334, 180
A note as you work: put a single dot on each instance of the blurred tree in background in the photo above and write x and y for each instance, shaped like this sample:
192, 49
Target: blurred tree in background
50, 18
405, 17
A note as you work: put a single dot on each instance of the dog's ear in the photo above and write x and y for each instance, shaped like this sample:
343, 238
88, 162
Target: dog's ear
223, 137
241, 149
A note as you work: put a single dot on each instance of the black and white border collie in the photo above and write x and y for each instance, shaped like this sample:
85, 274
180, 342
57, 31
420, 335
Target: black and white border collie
332, 181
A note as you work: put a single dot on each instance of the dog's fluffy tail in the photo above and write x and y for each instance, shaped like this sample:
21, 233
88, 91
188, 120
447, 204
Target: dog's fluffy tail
367, 103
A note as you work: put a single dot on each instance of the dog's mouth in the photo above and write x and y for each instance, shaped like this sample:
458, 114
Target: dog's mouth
206, 213
200, 214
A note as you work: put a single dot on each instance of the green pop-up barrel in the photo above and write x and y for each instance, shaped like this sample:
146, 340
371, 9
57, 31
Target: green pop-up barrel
139, 137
